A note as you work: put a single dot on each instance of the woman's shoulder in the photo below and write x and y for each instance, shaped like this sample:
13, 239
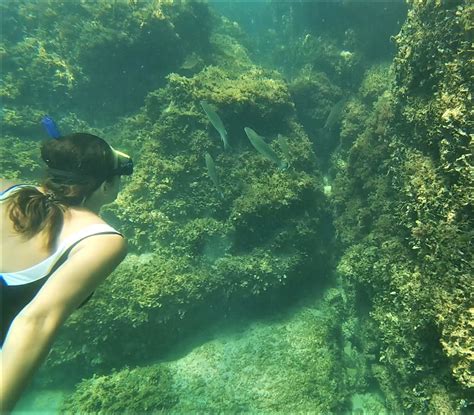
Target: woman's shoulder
101, 243
81, 217
98, 245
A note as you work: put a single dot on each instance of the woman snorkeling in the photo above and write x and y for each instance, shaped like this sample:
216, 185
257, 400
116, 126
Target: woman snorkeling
55, 250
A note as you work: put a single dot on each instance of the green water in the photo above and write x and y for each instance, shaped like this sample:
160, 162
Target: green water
339, 284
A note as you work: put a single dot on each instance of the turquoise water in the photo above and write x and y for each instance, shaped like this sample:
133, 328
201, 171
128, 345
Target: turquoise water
298, 268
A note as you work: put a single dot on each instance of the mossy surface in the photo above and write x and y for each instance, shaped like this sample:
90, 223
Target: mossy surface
289, 363
402, 216
391, 171
128, 391
195, 250
61, 56
19, 158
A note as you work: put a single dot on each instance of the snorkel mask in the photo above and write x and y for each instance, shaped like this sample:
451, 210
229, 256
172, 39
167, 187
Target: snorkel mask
124, 164
124, 161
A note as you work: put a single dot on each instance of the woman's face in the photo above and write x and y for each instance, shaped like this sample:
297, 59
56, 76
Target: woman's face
115, 181
111, 187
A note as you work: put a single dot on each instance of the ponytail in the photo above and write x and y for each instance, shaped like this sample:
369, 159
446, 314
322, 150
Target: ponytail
32, 212
77, 165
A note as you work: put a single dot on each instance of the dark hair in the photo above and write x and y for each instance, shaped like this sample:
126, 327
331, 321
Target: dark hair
77, 165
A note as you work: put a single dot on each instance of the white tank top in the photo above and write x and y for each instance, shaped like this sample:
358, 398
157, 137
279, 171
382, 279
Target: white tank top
44, 268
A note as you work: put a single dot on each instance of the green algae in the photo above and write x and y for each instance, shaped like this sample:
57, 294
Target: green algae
200, 248
19, 158
399, 173
74, 54
402, 219
290, 363
128, 391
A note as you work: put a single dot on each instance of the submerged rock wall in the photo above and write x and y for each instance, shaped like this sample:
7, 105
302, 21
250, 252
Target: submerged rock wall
94, 57
403, 207
398, 175
199, 252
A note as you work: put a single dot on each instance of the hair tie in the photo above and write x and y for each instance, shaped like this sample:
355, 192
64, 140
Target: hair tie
51, 197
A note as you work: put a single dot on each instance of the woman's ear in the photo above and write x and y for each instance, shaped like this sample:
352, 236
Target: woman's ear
108, 184
104, 186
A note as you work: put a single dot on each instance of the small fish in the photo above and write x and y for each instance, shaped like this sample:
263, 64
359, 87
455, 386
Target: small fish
335, 114
211, 171
191, 61
283, 143
263, 148
216, 122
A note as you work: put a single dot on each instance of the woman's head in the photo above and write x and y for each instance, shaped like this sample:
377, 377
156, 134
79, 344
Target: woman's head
78, 164
82, 171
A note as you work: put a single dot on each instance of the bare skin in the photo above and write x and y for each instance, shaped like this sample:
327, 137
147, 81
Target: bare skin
75, 218
33, 331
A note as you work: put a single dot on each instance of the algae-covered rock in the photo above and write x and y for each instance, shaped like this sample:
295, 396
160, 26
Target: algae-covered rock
229, 54
403, 218
19, 158
200, 253
171, 182
95, 56
287, 364
375, 82
128, 391
441, 219
314, 95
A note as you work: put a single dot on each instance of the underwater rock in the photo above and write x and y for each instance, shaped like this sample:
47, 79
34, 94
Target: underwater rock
399, 198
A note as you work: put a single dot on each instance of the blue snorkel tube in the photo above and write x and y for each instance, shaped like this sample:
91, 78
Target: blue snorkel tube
50, 127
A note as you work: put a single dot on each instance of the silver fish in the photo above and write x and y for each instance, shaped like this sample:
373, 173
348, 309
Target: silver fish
283, 143
216, 122
335, 114
263, 148
211, 171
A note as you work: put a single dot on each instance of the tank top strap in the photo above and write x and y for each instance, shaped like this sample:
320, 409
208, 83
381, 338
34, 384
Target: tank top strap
50, 264
4, 194
65, 247
94, 229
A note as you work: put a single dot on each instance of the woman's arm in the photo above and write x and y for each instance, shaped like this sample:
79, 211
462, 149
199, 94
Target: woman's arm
32, 332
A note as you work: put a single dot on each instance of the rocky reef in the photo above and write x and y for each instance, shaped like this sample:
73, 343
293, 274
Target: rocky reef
288, 363
371, 221
195, 254
88, 57
402, 212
